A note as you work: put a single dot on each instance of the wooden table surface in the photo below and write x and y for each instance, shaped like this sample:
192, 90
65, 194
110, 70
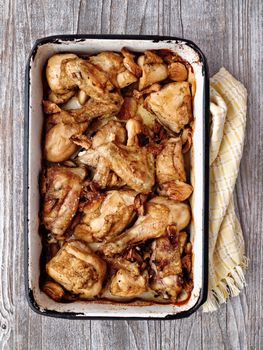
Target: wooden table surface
230, 33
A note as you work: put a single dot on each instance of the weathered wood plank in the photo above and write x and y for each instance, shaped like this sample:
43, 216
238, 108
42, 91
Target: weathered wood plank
230, 34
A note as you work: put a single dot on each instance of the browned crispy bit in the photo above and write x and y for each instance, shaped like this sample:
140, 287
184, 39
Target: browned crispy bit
188, 248
169, 56
128, 109
129, 63
151, 57
141, 139
172, 232
154, 148
139, 203
188, 286
60, 98
90, 191
133, 255
187, 262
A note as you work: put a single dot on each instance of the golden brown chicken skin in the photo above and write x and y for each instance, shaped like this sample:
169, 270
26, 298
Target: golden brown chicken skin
132, 164
107, 216
61, 190
167, 265
78, 269
170, 171
172, 105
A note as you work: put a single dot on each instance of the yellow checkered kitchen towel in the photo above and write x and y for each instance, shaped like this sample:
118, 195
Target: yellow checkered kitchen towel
227, 261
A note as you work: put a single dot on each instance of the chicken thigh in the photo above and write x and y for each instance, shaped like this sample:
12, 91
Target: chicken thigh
132, 164
172, 105
78, 269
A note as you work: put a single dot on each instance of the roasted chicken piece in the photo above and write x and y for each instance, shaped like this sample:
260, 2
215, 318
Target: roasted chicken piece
128, 109
131, 163
53, 73
58, 143
153, 69
129, 280
106, 216
170, 171
78, 269
172, 105
121, 71
160, 212
166, 262
111, 131
61, 188
109, 62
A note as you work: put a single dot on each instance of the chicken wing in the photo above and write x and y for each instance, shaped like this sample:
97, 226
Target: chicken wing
106, 217
78, 269
170, 171
131, 163
160, 212
172, 105
61, 189
111, 131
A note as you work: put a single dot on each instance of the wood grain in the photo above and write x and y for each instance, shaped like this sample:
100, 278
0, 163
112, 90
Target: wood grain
231, 34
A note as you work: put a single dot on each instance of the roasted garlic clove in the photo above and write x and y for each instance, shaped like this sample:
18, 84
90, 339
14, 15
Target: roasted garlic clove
177, 190
53, 290
82, 97
177, 71
133, 127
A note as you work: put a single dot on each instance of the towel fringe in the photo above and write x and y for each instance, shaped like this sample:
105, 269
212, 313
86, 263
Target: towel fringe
230, 286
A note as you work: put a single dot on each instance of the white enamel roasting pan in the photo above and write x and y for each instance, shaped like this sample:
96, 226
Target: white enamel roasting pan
92, 44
